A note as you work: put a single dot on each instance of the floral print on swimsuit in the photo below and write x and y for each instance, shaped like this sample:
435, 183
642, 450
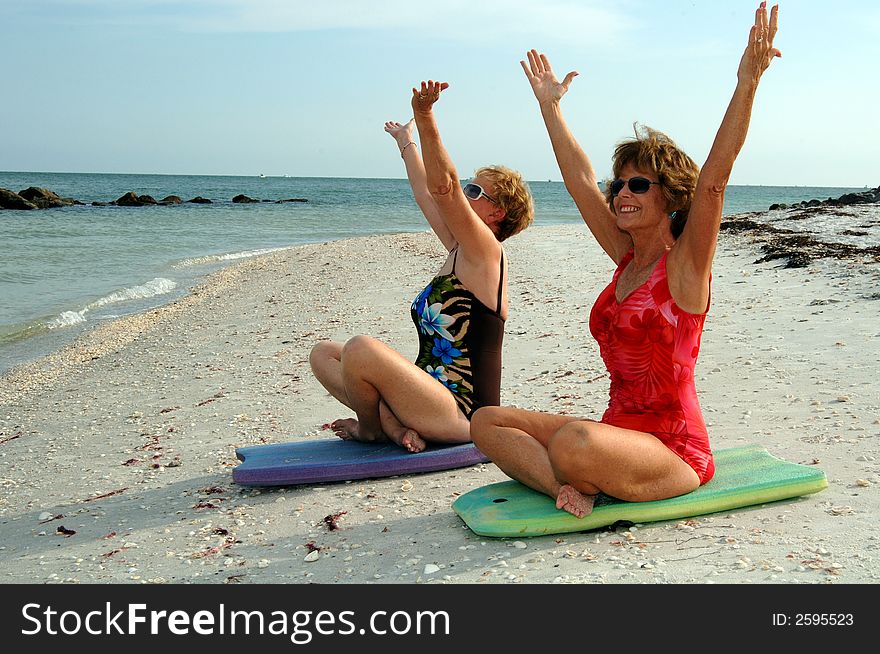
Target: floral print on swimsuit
441, 312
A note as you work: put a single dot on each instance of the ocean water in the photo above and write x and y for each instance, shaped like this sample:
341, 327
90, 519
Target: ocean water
64, 270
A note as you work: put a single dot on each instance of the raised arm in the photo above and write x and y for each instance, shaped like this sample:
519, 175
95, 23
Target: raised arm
696, 245
415, 173
466, 227
577, 171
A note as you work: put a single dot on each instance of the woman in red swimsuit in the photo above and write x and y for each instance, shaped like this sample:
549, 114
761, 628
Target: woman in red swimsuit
659, 222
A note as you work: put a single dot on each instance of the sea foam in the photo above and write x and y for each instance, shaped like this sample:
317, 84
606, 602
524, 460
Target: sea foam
154, 287
213, 258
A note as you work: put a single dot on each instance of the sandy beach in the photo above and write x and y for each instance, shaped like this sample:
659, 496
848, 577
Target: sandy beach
117, 452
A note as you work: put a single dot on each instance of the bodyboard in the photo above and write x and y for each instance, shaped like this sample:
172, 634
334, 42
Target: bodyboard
334, 459
744, 476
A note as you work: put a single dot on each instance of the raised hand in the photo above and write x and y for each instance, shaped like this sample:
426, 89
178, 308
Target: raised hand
759, 51
400, 133
544, 83
425, 97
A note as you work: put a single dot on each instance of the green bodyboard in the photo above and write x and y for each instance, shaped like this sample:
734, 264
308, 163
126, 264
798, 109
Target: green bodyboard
744, 476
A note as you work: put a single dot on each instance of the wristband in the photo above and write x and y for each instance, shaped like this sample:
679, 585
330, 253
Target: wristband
403, 149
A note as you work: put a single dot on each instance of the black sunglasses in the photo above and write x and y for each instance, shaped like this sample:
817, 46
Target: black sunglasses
475, 192
636, 185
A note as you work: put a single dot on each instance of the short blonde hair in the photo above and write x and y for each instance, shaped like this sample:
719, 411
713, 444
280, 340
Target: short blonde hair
513, 195
653, 151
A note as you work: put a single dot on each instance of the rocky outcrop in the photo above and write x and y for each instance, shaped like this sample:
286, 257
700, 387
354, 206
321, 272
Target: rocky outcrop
243, 199
864, 197
132, 199
41, 198
45, 199
11, 200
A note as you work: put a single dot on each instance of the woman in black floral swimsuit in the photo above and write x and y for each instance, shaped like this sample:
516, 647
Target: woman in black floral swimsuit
459, 316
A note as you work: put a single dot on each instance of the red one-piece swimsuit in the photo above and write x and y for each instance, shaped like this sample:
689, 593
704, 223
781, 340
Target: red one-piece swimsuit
650, 347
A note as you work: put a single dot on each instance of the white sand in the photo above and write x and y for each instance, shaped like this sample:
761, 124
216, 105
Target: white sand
789, 361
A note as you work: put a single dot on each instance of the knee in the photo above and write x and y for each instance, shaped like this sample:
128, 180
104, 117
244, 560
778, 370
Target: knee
320, 350
568, 449
359, 348
482, 423
321, 353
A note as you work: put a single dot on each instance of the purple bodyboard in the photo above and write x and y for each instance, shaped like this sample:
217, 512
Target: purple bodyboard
334, 459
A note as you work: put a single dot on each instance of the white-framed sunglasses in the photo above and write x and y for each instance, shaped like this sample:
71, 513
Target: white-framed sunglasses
475, 192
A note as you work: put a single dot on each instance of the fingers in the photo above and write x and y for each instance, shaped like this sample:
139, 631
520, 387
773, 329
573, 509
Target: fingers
538, 64
764, 31
428, 92
545, 63
432, 88
535, 62
774, 23
567, 81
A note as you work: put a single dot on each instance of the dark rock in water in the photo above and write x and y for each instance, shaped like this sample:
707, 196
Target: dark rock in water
12, 200
101, 204
44, 198
171, 199
200, 200
130, 199
243, 199
863, 197
292, 200
266, 200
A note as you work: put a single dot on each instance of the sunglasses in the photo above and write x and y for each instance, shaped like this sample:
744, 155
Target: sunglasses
636, 185
475, 192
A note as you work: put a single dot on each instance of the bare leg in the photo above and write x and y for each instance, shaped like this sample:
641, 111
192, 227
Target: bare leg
629, 465
516, 440
326, 363
398, 432
325, 360
583, 458
417, 408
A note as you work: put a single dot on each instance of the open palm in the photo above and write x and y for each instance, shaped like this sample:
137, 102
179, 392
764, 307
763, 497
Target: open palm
544, 83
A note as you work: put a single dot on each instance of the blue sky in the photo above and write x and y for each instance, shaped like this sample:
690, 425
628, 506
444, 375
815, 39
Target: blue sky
303, 88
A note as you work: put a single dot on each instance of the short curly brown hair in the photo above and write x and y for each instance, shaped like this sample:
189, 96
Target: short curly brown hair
513, 195
651, 150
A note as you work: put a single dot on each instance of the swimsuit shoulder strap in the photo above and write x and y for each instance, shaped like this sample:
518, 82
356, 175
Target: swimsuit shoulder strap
500, 283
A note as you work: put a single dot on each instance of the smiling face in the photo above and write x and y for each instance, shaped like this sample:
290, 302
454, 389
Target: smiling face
639, 210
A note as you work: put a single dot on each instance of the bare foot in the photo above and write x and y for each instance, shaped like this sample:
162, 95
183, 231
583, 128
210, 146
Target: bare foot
345, 428
413, 442
575, 502
408, 439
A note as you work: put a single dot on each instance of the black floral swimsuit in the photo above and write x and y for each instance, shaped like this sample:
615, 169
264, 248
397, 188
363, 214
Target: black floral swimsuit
460, 340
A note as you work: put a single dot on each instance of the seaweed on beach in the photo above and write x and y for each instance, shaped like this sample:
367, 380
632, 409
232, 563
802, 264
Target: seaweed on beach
797, 249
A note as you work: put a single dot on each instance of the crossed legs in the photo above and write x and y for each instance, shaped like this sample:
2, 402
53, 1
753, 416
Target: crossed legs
391, 397
573, 460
